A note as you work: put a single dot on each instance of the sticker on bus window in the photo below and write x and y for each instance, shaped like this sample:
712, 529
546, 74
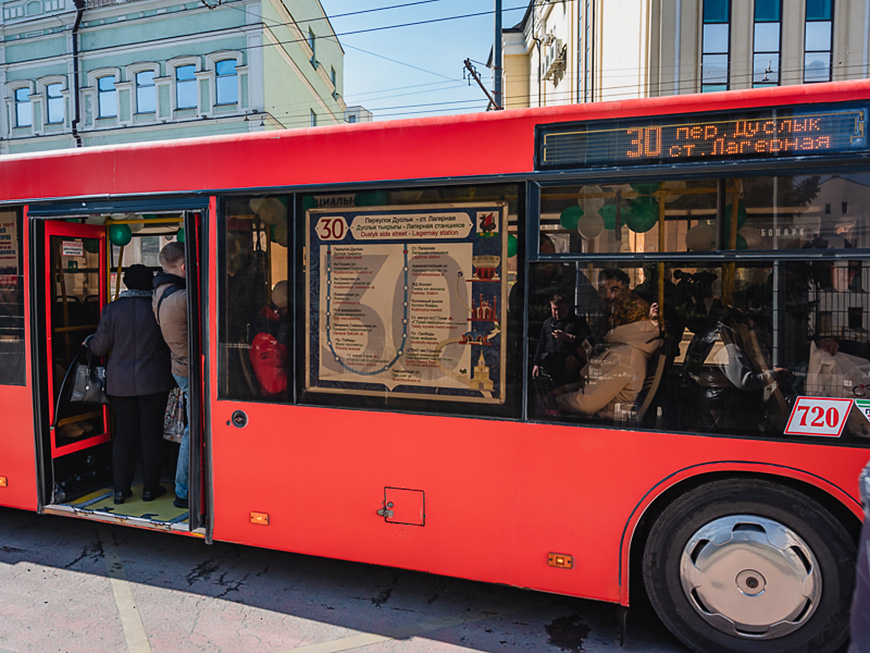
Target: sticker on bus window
408, 300
864, 406
821, 416
72, 248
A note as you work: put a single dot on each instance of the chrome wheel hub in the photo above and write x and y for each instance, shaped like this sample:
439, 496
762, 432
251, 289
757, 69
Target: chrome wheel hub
750, 577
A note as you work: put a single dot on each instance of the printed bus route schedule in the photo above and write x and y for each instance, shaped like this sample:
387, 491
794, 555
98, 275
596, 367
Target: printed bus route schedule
702, 138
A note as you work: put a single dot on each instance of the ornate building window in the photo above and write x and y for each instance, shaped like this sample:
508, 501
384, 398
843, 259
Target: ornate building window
715, 45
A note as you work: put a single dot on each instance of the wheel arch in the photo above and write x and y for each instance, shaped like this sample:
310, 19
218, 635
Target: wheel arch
845, 507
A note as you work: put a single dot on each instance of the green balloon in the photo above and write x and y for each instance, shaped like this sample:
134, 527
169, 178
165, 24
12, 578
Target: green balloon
308, 202
570, 217
375, 198
180, 235
512, 246
741, 243
608, 212
645, 189
741, 216
120, 234
643, 214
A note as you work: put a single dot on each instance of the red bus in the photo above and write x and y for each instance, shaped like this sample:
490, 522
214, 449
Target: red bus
590, 350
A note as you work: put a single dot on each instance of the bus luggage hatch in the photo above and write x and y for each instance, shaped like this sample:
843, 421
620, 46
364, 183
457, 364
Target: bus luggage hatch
403, 506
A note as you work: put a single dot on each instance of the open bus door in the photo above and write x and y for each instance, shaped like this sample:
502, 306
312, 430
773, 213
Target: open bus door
78, 271
198, 454
76, 451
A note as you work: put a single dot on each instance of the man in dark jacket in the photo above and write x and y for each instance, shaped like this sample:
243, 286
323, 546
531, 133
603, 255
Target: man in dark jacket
170, 309
138, 381
559, 346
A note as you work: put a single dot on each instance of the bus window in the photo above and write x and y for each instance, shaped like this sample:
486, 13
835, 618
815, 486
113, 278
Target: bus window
408, 293
255, 323
614, 218
11, 300
769, 213
716, 347
595, 336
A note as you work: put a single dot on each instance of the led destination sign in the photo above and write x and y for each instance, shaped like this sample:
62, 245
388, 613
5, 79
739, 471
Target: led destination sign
702, 137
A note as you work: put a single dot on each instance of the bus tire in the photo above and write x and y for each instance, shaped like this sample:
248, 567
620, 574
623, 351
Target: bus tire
750, 565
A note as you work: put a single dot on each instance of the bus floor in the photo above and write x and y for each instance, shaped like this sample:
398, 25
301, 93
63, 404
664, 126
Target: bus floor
99, 505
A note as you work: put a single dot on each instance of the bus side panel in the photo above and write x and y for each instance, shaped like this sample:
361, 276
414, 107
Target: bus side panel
18, 487
17, 454
337, 154
498, 496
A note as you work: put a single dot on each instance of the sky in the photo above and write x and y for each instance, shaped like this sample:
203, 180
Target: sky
417, 70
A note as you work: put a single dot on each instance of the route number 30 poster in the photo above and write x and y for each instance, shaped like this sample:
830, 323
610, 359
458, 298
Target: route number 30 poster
408, 301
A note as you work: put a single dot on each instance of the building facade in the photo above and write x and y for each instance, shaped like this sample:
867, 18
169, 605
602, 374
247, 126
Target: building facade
566, 51
97, 72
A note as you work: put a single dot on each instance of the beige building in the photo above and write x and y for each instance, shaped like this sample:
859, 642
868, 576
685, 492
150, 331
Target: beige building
567, 51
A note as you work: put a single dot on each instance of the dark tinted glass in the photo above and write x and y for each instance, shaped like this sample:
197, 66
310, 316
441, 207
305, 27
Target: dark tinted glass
767, 10
11, 300
819, 10
716, 11
716, 347
256, 334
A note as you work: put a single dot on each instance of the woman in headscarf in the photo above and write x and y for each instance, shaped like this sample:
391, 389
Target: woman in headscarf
138, 382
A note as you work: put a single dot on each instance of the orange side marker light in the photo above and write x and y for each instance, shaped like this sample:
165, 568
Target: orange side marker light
3, 482
560, 560
260, 518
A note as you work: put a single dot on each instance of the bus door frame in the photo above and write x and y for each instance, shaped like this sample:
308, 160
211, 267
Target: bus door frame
196, 266
72, 230
194, 209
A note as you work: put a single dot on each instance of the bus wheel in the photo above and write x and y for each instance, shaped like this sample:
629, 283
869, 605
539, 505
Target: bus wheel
749, 565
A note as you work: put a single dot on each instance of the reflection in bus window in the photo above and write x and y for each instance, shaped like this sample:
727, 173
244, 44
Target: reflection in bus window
255, 323
740, 339
715, 348
756, 213
623, 336
11, 301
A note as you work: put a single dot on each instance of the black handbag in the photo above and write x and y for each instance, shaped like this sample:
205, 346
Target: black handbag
89, 383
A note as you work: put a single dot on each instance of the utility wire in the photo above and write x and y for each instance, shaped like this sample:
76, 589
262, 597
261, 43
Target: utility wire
401, 63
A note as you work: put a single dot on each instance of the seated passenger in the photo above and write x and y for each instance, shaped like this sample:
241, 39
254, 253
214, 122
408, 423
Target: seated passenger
614, 378
734, 378
562, 333
268, 351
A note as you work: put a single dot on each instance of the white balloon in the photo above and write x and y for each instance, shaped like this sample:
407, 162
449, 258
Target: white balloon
280, 234
270, 210
590, 225
591, 204
673, 185
701, 238
95, 219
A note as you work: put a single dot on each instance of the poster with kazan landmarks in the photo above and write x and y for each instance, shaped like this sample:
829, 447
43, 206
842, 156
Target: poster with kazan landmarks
408, 301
